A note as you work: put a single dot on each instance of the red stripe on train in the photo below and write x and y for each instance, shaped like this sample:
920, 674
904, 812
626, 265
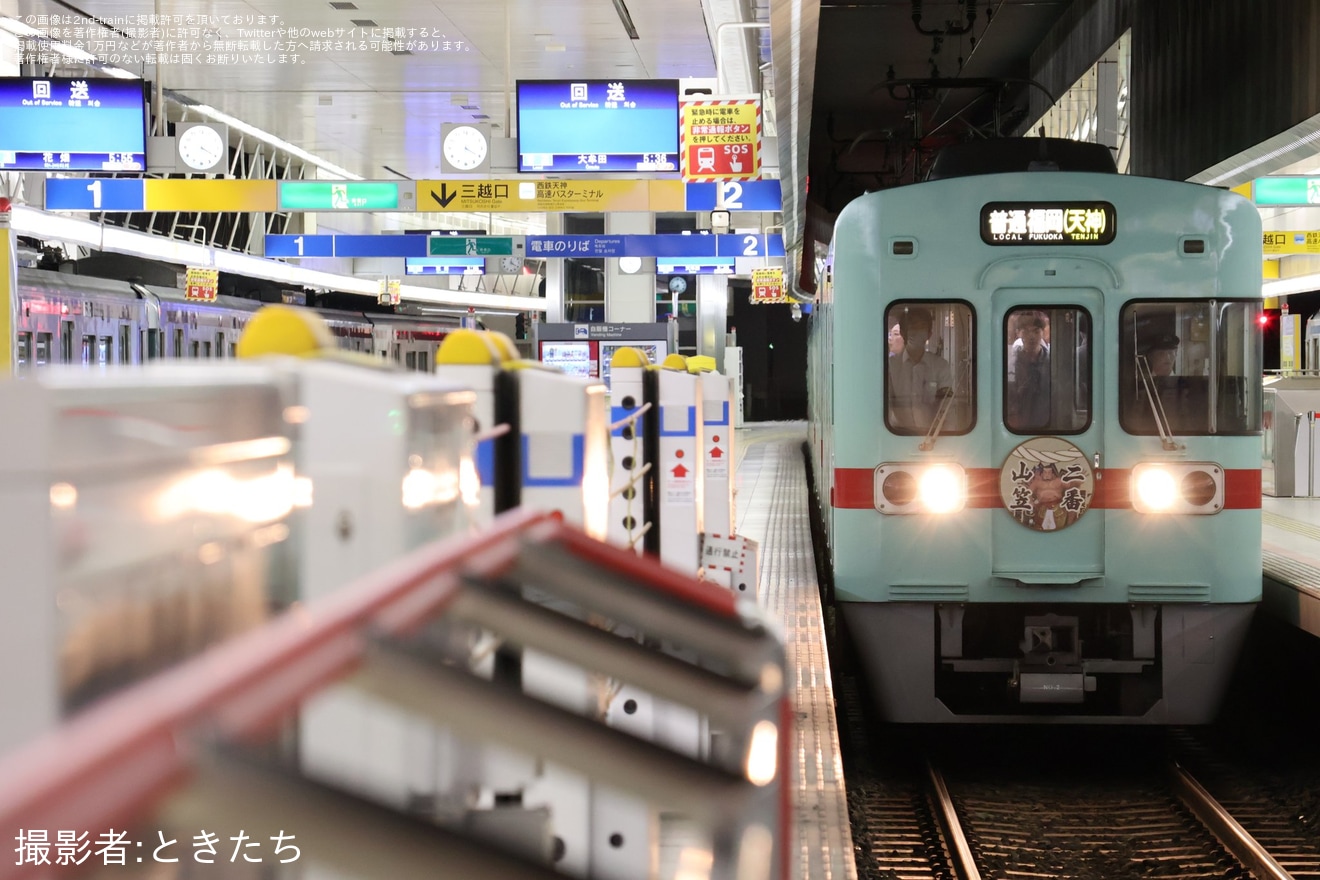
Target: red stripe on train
854, 489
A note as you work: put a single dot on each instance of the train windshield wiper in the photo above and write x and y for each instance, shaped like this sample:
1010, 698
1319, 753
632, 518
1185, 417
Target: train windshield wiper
937, 423
1156, 407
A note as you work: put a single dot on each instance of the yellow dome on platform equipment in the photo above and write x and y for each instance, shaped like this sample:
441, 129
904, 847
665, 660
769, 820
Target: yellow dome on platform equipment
675, 362
700, 363
473, 347
281, 329
507, 347
629, 357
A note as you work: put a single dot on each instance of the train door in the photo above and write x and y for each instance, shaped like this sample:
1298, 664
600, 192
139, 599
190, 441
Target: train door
66, 342
1048, 427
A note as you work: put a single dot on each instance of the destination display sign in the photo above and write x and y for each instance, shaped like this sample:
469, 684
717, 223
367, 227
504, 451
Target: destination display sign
1048, 223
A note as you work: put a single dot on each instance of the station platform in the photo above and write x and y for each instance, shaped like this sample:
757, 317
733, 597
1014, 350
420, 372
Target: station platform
1290, 549
773, 510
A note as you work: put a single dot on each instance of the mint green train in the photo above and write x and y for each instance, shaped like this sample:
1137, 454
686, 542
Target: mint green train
1041, 495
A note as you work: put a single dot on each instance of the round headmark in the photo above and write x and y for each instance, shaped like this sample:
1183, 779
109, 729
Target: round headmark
1046, 483
465, 147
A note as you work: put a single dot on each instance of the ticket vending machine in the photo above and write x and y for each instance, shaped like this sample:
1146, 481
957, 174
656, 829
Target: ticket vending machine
587, 349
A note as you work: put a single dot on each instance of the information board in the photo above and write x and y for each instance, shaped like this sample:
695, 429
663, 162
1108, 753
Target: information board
597, 125
72, 124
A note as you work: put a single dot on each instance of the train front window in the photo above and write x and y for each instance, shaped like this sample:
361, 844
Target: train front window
1047, 370
929, 372
1195, 365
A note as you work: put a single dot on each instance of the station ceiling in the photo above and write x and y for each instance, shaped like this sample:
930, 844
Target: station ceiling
377, 111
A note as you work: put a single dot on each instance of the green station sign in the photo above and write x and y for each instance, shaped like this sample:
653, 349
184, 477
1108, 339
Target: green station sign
1286, 190
469, 246
348, 195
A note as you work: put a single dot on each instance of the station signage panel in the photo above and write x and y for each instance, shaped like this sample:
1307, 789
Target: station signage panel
1048, 223
94, 194
201, 284
734, 195
670, 246
345, 246
72, 124
721, 139
674, 247
238, 196
347, 195
597, 125
768, 285
1280, 243
550, 196
426, 196
1286, 190
470, 246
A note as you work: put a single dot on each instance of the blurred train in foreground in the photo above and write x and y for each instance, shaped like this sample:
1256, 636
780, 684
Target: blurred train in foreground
1042, 498
79, 319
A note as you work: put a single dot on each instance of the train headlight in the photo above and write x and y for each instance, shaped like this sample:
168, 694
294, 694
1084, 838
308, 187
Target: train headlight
915, 487
942, 489
1156, 490
1184, 487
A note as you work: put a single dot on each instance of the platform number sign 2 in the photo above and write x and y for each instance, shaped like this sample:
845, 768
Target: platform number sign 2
731, 192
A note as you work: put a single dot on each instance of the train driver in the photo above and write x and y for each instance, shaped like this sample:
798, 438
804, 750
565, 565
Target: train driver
918, 379
1162, 354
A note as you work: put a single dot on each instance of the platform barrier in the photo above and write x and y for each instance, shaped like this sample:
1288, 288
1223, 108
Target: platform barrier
143, 516
543, 437
681, 495
634, 441
197, 748
1292, 453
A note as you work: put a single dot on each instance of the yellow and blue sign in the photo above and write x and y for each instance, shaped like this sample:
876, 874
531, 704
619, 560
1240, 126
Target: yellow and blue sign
1295, 241
549, 196
542, 246
493, 196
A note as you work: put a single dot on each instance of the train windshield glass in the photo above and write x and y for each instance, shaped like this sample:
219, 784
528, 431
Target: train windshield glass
1197, 363
929, 368
1047, 370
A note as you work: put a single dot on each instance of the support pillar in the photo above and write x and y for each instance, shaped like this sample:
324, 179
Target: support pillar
554, 275
8, 287
629, 299
712, 315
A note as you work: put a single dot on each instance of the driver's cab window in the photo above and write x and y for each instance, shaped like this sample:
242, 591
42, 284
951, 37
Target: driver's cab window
929, 376
1047, 370
1188, 367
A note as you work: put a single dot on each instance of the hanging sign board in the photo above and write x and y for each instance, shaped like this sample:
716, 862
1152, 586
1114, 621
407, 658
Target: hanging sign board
720, 139
768, 285
201, 284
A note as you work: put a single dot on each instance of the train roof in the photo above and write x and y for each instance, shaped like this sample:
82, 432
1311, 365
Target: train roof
1005, 155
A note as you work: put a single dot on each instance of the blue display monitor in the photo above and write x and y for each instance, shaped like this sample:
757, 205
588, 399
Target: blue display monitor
695, 266
444, 265
72, 124
598, 125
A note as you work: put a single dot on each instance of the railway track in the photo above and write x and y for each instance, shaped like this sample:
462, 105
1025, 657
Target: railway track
1017, 806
